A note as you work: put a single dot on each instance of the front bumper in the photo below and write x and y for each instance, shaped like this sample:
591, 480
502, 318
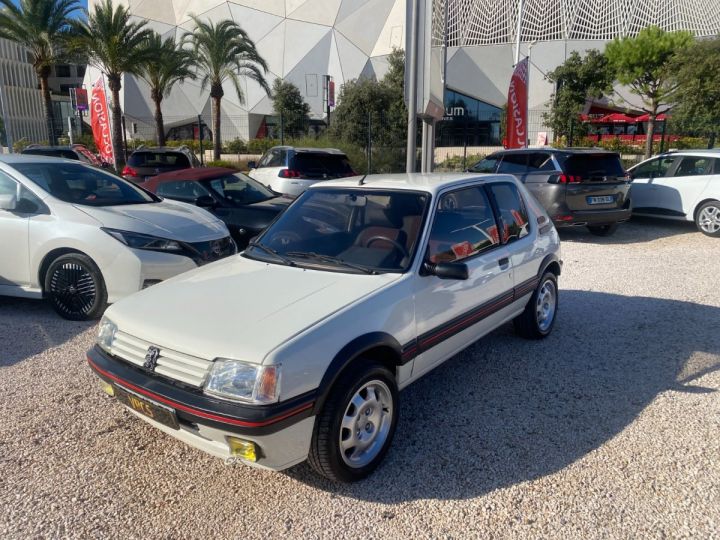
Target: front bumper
282, 431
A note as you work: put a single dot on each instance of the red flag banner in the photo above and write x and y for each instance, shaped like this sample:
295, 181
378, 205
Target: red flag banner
517, 126
100, 122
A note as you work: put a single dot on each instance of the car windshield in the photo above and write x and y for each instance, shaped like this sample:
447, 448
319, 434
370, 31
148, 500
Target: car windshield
346, 230
83, 184
240, 189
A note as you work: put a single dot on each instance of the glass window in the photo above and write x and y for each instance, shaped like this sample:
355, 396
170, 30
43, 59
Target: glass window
240, 189
158, 160
515, 163
540, 162
83, 184
464, 226
183, 191
8, 186
594, 165
62, 70
265, 160
693, 166
511, 210
654, 168
322, 164
487, 165
277, 158
346, 230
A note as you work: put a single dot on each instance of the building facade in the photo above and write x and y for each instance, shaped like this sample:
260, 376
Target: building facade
20, 98
303, 40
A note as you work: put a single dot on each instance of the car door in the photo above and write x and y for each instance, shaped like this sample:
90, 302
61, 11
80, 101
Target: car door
515, 233
451, 314
643, 191
14, 241
680, 189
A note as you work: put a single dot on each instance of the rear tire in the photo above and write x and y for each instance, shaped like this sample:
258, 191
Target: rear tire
707, 219
538, 319
356, 425
75, 288
603, 230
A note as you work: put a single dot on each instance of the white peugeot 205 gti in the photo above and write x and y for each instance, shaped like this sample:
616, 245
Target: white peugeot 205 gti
82, 237
296, 348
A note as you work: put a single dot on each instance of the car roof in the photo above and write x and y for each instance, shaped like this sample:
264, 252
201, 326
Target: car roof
195, 174
709, 152
569, 150
160, 149
32, 158
429, 182
39, 147
314, 150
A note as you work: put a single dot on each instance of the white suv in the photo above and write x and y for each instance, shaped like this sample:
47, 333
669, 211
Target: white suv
297, 349
681, 185
83, 237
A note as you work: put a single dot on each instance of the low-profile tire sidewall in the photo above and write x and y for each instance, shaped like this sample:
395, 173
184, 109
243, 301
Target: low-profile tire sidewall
344, 390
101, 293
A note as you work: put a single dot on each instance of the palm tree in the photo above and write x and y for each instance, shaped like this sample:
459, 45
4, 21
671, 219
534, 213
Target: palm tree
223, 51
169, 63
41, 26
115, 46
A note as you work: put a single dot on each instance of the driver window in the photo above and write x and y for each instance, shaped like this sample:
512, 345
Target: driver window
464, 226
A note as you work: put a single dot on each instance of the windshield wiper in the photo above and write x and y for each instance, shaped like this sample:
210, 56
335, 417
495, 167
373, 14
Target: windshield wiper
271, 251
330, 259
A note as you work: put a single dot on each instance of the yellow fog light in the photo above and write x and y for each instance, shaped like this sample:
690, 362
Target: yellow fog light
242, 449
107, 388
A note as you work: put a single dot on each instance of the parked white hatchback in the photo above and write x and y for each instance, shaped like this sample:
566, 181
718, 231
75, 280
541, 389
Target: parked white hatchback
681, 185
297, 348
82, 237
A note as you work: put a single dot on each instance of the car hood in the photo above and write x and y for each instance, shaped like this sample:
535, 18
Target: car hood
167, 219
277, 203
239, 308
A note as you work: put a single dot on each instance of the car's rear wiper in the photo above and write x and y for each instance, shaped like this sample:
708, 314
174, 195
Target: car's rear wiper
330, 259
273, 252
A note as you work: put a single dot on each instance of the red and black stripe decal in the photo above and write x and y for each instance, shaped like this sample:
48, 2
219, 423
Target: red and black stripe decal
466, 320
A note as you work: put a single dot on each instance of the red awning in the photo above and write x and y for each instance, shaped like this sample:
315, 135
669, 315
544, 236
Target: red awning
646, 118
616, 118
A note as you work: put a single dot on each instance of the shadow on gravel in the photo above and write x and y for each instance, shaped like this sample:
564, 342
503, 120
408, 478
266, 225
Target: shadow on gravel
29, 327
507, 410
635, 231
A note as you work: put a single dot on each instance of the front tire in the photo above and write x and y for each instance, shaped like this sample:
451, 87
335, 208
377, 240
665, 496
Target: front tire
707, 219
356, 425
538, 319
603, 230
75, 288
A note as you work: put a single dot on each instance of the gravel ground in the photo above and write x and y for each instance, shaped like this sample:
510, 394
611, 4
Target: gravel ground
607, 429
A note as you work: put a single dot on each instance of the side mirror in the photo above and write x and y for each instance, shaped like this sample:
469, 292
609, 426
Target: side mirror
446, 270
8, 202
205, 201
252, 164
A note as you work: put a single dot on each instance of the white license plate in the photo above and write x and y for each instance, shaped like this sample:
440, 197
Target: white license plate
606, 199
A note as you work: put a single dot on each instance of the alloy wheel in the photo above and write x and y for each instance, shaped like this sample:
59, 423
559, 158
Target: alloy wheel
366, 424
709, 219
73, 289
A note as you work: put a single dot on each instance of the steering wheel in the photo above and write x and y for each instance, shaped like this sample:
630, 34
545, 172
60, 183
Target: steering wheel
397, 245
285, 238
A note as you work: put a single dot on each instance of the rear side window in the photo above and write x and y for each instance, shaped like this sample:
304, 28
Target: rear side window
159, 160
512, 212
694, 166
594, 166
540, 162
464, 226
513, 164
322, 163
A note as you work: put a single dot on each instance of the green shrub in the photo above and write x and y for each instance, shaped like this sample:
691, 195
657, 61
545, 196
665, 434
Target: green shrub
455, 163
260, 146
236, 146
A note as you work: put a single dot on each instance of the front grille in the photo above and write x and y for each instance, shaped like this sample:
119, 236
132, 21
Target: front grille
172, 364
207, 252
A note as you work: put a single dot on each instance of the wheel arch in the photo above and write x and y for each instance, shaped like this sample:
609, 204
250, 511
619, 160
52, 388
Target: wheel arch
384, 348
551, 263
53, 254
699, 205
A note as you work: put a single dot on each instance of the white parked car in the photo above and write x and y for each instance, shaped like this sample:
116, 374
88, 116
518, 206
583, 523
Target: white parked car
297, 348
290, 171
82, 237
682, 185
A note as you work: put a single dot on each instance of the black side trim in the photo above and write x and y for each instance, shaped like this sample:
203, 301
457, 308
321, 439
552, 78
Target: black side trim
547, 261
194, 407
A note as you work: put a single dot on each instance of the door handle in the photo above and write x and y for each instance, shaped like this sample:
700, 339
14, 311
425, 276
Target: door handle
505, 261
